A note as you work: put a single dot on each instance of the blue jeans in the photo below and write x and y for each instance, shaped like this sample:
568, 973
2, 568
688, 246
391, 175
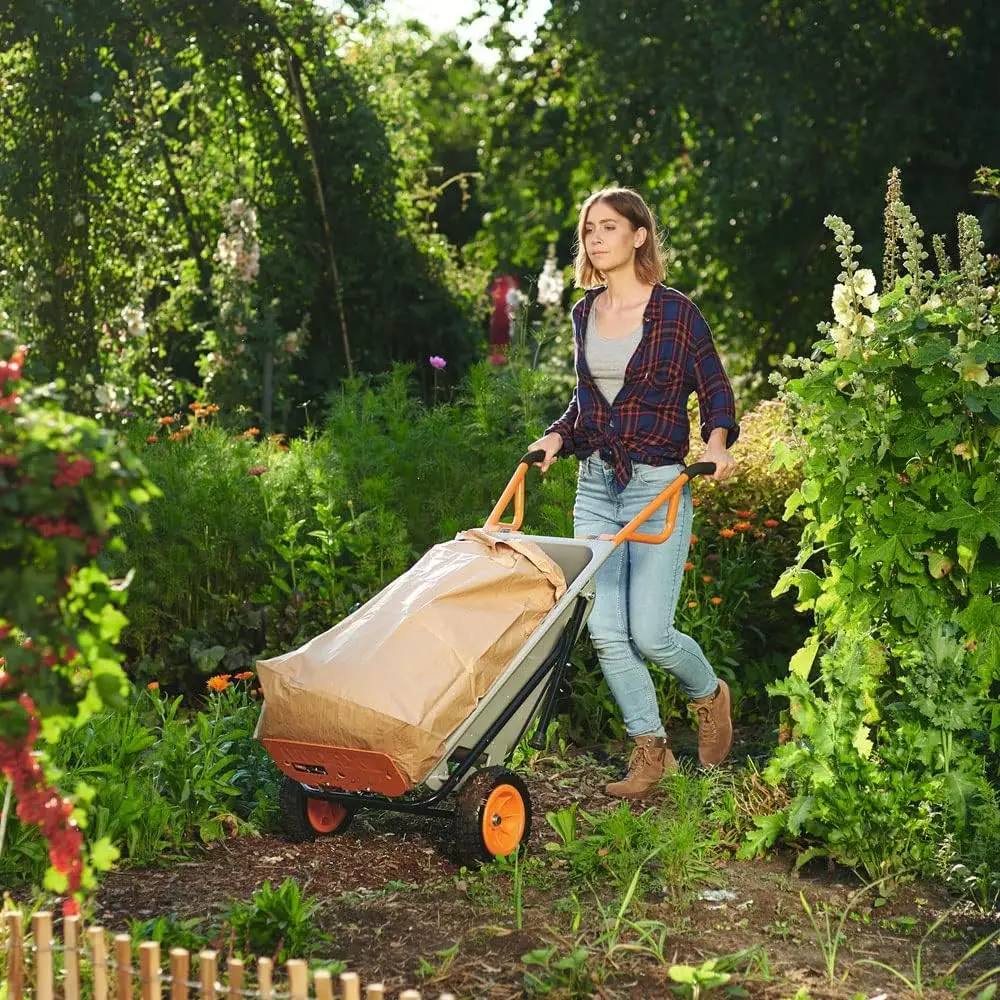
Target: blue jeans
636, 592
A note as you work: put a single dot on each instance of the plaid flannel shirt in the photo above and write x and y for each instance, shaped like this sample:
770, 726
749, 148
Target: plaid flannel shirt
648, 420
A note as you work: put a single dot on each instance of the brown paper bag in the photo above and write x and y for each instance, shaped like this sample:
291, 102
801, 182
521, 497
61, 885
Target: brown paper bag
400, 674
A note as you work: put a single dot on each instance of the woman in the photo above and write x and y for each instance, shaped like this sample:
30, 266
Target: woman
641, 349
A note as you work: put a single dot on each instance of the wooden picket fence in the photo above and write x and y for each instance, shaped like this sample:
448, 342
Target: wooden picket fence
31, 970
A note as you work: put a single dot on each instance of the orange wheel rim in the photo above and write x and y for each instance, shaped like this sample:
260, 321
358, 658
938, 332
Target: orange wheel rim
503, 821
324, 816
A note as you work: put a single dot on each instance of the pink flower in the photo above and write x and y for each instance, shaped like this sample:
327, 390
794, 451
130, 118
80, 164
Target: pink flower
436, 361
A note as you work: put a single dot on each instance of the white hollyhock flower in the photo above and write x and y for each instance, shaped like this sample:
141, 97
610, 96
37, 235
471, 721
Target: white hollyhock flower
135, 322
843, 305
841, 336
864, 282
550, 282
973, 371
95, 97
109, 398
515, 300
864, 326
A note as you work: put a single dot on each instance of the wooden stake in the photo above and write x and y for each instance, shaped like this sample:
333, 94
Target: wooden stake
71, 958
234, 978
350, 986
180, 969
99, 961
15, 956
298, 979
149, 970
41, 931
375, 992
323, 984
265, 977
206, 974
123, 967
410, 995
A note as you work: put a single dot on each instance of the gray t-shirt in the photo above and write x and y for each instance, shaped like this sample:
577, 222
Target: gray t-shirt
608, 357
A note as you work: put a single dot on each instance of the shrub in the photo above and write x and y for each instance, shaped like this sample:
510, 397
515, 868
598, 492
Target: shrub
62, 482
236, 564
900, 562
162, 779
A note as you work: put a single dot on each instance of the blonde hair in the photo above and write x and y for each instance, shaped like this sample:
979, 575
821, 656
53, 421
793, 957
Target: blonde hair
649, 266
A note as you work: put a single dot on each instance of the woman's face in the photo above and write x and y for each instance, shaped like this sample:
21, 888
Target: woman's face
609, 239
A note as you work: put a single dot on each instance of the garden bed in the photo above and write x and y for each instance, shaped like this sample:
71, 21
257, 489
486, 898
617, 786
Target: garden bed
399, 909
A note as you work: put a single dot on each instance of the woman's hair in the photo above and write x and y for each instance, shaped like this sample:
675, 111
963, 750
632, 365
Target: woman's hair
649, 265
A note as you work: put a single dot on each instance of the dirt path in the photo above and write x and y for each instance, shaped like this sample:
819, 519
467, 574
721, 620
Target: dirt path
396, 906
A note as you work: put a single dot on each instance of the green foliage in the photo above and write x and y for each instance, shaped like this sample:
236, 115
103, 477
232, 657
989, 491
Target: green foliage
232, 563
900, 563
127, 141
739, 161
669, 847
63, 482
552, 969
277, 922
696, 980
158, 780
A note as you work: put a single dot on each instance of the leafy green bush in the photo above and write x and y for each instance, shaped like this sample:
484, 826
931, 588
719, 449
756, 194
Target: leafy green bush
63, 481
900, 563
160, 779
236, 564
277, 922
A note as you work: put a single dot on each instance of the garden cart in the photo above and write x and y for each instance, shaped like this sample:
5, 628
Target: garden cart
323, 786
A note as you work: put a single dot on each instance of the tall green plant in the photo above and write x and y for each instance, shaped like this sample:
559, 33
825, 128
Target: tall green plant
899, 410
63, 481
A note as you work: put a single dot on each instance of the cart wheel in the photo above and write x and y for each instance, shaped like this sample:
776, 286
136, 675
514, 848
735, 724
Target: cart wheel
303, 817
492, 816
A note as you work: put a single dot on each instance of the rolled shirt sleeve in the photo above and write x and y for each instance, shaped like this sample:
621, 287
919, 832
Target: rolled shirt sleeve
564, 425
716, 402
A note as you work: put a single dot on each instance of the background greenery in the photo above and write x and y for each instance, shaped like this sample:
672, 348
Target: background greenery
235, 233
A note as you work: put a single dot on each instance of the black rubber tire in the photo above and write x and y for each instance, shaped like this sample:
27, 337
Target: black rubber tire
292, 815
468, 838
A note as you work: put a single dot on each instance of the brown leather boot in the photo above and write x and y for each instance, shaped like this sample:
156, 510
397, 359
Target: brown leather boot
650, 758
715, 726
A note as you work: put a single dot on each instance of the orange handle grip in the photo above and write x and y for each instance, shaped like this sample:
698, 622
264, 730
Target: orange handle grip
515, 491
672, 493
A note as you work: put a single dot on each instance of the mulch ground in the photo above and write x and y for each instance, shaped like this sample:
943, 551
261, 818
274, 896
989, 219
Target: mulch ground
391, 896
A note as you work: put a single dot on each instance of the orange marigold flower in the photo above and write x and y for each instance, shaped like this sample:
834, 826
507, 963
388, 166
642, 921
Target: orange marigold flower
250, 432
244, 675
742, 526
745, 513
694, 539
218, 683
181, 434
153, 685
707, 579
715, 600
771, 523
727, 533
692, 604
164, 421
152, 439
696, 502
689, 565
